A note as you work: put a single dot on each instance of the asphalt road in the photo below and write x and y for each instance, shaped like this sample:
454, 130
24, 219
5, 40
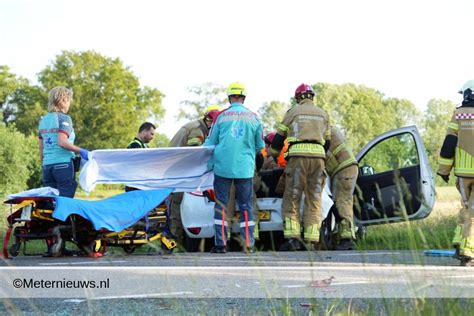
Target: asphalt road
234, 281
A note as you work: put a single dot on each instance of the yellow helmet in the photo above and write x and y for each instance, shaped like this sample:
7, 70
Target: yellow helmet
236, 88
214, 107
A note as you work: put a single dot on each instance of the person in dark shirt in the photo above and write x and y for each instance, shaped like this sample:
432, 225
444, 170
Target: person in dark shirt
146, 132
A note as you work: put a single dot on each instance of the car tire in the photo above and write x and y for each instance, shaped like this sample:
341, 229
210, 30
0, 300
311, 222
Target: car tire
192, 244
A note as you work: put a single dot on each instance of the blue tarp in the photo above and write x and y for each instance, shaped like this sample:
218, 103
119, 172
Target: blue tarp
439, 253
115, 213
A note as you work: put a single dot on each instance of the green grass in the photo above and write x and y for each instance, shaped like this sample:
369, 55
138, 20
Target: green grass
430, 233
434, 232
101, 191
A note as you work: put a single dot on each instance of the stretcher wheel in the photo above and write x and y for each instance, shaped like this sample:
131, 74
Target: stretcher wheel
129, 249
165, 250
57, 248
14, 249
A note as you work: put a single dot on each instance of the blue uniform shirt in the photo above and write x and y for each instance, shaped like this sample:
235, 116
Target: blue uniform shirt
50, 125
238, 136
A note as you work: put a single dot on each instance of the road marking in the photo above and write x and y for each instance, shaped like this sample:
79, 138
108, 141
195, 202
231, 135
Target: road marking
458, 276
74, 300
140, 295
368, 254
83, 262
332, 283
226, 268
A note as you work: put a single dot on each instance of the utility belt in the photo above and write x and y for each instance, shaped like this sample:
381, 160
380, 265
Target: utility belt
304, 142
318, 152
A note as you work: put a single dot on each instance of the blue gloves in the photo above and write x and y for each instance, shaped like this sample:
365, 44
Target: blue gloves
84, 154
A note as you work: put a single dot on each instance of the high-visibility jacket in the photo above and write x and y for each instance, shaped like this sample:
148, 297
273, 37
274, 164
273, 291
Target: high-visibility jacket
306, 126
339, 156
191, 134
458, 146
137, 143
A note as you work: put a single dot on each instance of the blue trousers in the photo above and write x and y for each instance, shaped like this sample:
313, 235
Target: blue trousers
60, 176
244, 191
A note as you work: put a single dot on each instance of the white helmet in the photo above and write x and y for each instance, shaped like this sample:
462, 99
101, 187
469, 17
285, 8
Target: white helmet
467, 91
467, 85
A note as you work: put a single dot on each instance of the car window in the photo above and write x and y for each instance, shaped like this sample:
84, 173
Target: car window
396, 152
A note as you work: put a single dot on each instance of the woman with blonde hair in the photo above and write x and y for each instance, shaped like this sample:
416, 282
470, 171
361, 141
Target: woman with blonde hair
56, 143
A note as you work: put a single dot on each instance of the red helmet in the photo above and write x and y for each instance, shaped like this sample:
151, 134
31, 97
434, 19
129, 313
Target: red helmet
303, 91
269, 138
213, 115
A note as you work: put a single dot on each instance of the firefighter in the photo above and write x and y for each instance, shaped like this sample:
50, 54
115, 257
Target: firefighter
343, 170
307, 128
191, 134
458, 152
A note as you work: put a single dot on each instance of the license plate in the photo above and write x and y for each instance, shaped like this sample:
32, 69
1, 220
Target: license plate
262, 215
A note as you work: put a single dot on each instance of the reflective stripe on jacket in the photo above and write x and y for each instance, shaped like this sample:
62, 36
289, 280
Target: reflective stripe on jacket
461, 127
307, 128
237, 135
339, 156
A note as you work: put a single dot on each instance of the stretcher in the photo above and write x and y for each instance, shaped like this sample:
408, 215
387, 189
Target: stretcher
36, 218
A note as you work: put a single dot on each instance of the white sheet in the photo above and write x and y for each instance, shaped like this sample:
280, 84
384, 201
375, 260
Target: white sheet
181, 168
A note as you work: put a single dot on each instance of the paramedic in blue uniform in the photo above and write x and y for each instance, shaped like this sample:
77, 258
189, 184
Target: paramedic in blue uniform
237, 135
56, 143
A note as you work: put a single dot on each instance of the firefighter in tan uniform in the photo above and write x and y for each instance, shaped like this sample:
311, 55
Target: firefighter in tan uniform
343, 170
307, 128
458, 152
191, 134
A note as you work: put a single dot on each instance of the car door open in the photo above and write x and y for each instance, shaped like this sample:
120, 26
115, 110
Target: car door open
395, 180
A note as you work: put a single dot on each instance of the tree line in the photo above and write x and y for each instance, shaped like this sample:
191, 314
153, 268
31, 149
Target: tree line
109, 103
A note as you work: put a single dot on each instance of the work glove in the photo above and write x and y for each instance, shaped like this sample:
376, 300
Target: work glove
445, 177
84, 154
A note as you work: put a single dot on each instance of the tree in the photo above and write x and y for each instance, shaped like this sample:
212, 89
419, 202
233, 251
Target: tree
9, 83
272, 114
108, 104
203, 95
160, 140
363, 112
434, 125
19, 158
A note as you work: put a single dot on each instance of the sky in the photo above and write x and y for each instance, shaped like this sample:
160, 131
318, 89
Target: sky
417, 50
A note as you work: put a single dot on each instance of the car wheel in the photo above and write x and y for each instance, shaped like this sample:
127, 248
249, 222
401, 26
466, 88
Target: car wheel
326, 238
192, 244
